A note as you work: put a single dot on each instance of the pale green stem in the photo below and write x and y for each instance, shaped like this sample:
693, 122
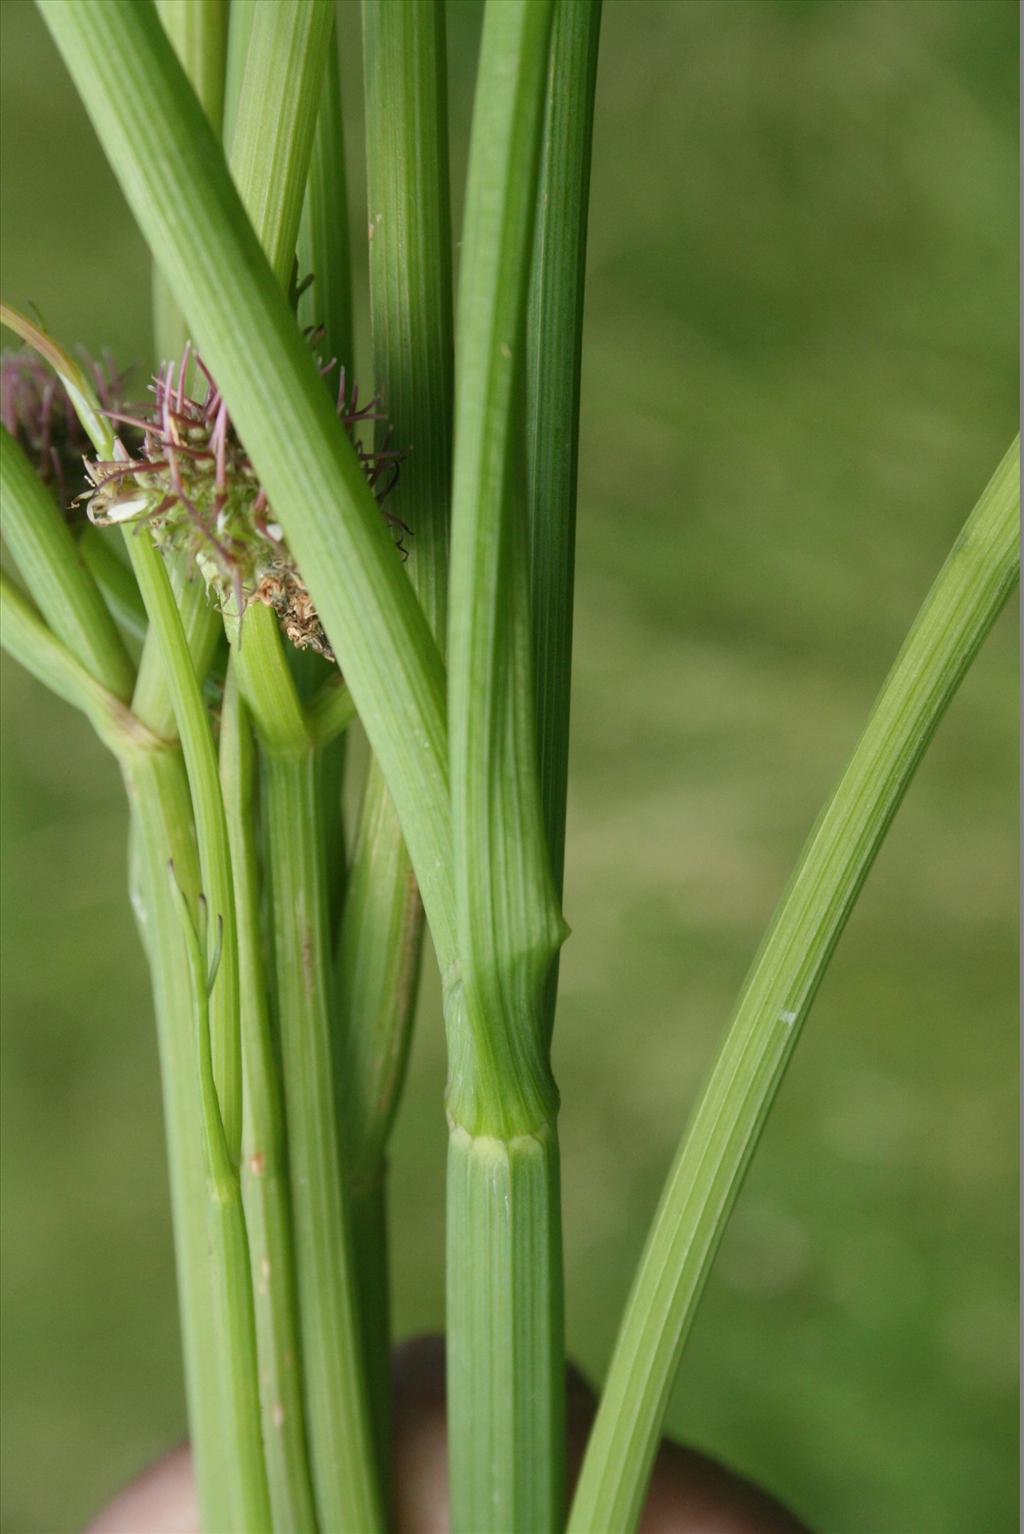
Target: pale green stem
731, 1111
239, 31
234, 1322
211, 828
380, 937
505, 1344
201, 627
337, 1413
344, 1463
270, 155
265, 1192
553, 352
324, 254
162, 834
273, 131
198, 31
115, 581
323, 248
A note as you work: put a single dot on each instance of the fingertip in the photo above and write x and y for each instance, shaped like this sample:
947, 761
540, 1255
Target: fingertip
162, 1500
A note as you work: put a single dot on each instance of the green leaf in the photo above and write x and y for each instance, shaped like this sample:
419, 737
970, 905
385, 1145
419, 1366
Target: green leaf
730, 1114
53, 570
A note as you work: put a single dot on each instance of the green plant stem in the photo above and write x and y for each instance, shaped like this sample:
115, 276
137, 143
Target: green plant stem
270, 156
162, 824
115, 581
234, 1322
505, 1345
201, 628
211, 827
58, 580
553, 351
232, 1316
198, 31
725, 1126
344, 1463
163, 836
239, 31
506, 1371
158, 793
273, 131
264, 1166
171, 170
344, 1466
380, 937
330, 711
323, 247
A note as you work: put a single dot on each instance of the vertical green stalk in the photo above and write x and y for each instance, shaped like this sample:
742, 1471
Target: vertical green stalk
344, 1462
240, 22
276, 118
324, 254
264, 1168
163, 833
323, 245
229, 1253
162, 822
505, 1344
337, 1413
211, 827
270, 154
726, 1124
115, 582
553, 349
411, 314
198, 31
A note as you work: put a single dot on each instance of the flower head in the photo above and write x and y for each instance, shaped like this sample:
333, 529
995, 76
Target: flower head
36, 410
193, 483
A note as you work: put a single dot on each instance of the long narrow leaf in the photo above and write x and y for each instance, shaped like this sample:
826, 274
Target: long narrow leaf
723, 1133
53, 570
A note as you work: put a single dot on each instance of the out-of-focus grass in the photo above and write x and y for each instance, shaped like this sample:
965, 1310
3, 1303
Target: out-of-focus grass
800, 370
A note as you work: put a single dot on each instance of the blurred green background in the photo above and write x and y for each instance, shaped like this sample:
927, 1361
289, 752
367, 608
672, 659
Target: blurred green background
800, 370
